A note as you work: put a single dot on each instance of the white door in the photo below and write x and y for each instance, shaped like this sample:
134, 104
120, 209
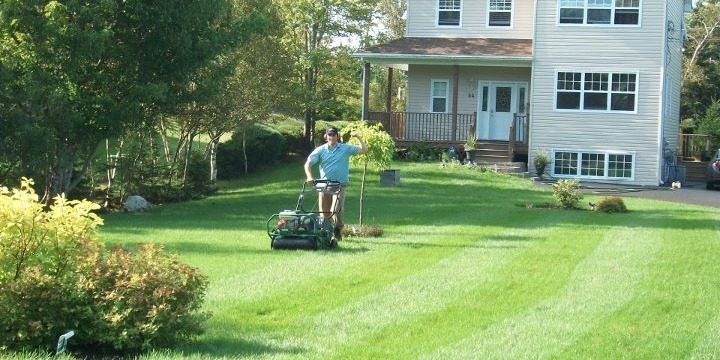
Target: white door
497, 103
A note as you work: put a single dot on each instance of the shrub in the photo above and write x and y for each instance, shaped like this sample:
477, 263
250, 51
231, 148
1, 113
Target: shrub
145, 299
264, 147
611, 204
567, 193
55, 276
292, 130
422, 151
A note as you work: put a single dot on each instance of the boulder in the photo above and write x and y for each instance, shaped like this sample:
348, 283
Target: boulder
136, 203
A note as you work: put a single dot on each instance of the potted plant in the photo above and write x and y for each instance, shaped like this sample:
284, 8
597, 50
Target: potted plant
470, 143
541, 161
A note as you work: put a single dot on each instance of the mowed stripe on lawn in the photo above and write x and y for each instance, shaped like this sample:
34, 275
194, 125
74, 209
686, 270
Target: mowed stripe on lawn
425, 291
602, 283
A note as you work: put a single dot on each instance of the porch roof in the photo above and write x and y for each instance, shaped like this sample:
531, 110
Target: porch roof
456, 51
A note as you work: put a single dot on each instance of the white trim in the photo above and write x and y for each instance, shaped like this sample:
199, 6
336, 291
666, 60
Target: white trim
612, 15
578, 164
437, 15
433, 97
500, 27
582, 90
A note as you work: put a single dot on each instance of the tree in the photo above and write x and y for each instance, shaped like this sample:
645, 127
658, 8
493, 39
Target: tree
311, 28
702, 73
256, 84
381, 148
75, 73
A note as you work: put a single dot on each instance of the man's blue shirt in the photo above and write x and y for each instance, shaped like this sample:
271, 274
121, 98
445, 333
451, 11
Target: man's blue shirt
334, 163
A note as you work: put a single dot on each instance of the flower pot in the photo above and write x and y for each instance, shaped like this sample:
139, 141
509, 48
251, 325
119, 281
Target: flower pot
540, 170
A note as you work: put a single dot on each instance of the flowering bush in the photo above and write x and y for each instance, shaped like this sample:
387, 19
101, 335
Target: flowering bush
567, 193
55, 275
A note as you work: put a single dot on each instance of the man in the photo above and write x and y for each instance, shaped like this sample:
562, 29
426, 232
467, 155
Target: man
333, 158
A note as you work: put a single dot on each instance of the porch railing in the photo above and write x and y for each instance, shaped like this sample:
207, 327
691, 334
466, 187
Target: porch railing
694, 146
519, 130
432, 127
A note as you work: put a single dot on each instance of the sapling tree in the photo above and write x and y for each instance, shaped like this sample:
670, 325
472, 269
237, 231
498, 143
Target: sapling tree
381, 148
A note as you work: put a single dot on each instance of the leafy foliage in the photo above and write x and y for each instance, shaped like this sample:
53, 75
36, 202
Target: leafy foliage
55, 276
710, 124
264, 146
567, 193
701, 74
611, 204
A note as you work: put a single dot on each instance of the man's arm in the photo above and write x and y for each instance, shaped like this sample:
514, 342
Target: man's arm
308, 170
363, 147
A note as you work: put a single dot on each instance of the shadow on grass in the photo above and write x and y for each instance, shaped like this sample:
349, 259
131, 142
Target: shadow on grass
234, 348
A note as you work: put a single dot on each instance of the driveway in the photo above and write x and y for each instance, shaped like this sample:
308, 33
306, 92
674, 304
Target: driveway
691, 193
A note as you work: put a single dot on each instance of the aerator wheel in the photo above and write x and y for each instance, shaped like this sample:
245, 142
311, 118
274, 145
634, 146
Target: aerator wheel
292, 243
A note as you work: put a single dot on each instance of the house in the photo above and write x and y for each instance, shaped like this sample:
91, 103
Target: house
595, 83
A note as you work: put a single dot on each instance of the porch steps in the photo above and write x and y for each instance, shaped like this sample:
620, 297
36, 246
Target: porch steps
504, 167
695, 170
492, 152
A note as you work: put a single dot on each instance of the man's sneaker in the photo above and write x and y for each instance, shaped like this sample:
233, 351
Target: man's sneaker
337, 233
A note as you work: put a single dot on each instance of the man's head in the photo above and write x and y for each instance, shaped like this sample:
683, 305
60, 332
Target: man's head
331, 134
331, 130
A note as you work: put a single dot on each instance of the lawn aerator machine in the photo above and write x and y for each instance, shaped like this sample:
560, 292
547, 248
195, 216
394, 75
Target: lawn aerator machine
302, 229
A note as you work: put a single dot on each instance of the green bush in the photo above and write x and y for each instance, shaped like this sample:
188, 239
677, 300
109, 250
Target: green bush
567, 193
55, 276
422, 151
611, 204
292, 130
264, 147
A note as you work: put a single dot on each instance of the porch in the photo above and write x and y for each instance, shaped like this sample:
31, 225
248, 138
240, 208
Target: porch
452, 129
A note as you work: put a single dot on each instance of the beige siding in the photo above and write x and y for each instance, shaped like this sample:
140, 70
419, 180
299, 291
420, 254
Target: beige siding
422, 20
421, 76
609, 48
671, 115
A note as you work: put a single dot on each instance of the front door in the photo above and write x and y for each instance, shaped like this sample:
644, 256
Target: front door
497, 103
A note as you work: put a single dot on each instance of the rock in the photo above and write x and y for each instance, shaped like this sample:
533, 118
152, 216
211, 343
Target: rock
136, 203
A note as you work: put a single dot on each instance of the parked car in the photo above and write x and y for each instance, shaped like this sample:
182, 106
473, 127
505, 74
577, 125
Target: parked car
712, 176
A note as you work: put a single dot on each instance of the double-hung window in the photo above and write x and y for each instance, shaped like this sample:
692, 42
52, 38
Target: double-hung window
449, 12
599, 12
593, 164
439, 96
596, 91
500, 13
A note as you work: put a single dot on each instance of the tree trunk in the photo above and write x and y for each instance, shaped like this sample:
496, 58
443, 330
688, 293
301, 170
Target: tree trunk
188, 154
213, 159
244, 150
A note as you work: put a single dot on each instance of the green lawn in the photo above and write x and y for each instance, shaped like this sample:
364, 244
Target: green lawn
465, 270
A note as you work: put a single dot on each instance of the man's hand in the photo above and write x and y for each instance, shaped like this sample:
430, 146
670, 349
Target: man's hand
355, 134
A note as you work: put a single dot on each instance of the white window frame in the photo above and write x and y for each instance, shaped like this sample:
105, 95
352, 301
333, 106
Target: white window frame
586, 5
433, 96
490, 6
578, 164
442, 6
611, 89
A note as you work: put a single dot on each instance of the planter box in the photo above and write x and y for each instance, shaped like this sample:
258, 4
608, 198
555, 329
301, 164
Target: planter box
390, 177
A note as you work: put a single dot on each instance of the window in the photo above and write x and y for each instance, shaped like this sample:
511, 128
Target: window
439, 95
500, 13
449, 12
595, 91
599, 12
587, 164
